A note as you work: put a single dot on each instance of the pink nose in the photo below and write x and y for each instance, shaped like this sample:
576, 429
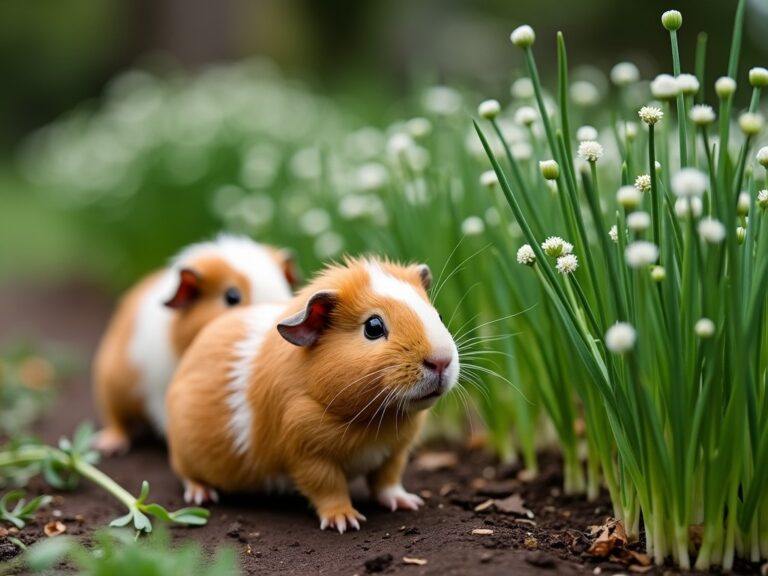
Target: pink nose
437, 365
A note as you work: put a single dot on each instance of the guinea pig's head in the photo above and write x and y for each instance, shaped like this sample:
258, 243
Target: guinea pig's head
212, 277
371, 339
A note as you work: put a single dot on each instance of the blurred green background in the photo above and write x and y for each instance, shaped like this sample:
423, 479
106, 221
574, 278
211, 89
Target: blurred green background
362, 62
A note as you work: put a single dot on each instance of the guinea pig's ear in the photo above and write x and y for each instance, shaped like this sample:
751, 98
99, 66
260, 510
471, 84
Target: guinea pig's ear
187, 291
289, 266
305, 327
425, 274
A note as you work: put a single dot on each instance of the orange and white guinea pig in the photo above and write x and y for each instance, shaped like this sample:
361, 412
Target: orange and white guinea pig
312, 393
159, 318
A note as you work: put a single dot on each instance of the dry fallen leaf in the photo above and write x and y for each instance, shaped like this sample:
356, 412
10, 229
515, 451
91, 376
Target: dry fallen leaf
530, 543
485, 505
54, 528
446, 489
609, 536
3, 532
434, 461
482, 531
414, 561
513, 505
526, 475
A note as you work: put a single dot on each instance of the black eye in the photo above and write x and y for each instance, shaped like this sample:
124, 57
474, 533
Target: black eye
374, 328
232, 297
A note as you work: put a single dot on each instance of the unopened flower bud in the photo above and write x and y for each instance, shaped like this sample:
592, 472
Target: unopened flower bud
672, 20
549, 169
523, 36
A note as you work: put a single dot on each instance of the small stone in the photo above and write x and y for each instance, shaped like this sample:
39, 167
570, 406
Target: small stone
482, 532
540, 560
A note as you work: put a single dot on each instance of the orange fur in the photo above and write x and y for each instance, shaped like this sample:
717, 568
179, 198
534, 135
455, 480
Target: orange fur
319, 413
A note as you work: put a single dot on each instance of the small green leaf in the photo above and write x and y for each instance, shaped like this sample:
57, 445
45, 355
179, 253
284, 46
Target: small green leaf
122, 521
83, 437
34, 505
157, 511
144, 492
141, 522
191, 516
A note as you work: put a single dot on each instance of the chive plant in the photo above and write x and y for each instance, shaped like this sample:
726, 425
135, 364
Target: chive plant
659, 293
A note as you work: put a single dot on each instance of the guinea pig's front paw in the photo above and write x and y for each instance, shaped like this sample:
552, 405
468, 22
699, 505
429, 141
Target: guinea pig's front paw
196, 493
111, 442
340, 517
396, 497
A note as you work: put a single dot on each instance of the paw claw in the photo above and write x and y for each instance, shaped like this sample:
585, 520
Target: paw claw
199, 494
341, 519
397, 498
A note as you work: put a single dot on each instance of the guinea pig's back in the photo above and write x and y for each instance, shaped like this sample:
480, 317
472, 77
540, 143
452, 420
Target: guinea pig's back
210, 419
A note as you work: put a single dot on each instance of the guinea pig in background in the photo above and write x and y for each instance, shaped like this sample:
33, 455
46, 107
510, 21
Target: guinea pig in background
333, 385
160, 316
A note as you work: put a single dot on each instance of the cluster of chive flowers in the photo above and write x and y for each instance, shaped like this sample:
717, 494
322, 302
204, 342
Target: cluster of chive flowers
566, 262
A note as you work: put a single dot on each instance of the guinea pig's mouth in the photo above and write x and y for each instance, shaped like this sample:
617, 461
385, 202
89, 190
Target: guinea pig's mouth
430, 389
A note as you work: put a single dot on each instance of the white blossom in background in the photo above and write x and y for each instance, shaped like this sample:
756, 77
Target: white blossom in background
442, 100
743, 203
328, 244
584, 93
306, 164
658, 273
702, 115
590, 150
704, 328
685, 207
522, 88
758, 77
620, 338
315, 221
586, 133
555, 246
762, 199
624, 74
492, 216
489, 179
526, 115
526, 255
613, 234
641, 253
489, 109
711, 230
371, 176
473, 226
638, 221
725, 87
689, 182
365, 143
643, 182
419, 127
751, 123
629, 197
399, 144
665, 87
521, 151
762, 156
650, 114
688, 84
523, 36
567, 264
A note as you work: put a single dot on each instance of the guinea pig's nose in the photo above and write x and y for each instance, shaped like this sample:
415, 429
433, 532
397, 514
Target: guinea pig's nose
437, 364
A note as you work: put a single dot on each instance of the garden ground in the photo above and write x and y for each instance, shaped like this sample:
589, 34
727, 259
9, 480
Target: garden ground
473, 521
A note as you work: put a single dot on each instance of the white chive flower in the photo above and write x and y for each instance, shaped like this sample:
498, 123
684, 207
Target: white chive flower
725, 86
689, 182
665, 87
522, 88
473, 226
762, 157
762, 199
525, 115
567, 264
629, 197
315, 221
549, 169
643, 182
658, 273
685, 207
702, 115
586, 133
419, 127
613, 234
638, 221
629, 129
704, 328
758, 77
523, 36
521, 151
442, 100
641, 253
620, 338
743, 203
328, 245
584, 93
526, 255
489, 109
688, 84
711, 230
492, 216
741, 234
624, 73
399, 144
751, 123
672, 20
555, 246
489, 179
650, 114
590, 150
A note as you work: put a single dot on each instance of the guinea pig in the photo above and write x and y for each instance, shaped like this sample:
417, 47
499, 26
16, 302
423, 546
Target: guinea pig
312, 393
160, 316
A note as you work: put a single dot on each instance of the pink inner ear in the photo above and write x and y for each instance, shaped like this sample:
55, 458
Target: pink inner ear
187, 290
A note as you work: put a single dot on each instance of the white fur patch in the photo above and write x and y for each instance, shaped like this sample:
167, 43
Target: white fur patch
254, 261
259, 320
440, 339
150, 347
367, 460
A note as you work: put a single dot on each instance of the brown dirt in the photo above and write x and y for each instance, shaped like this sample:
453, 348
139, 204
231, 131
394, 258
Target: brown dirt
281, 534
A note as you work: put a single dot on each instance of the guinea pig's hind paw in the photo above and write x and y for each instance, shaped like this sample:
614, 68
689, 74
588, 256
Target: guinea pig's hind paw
397, 498
111, 442
341, 520
199, 494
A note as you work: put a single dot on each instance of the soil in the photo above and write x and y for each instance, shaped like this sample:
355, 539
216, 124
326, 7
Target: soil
457, 532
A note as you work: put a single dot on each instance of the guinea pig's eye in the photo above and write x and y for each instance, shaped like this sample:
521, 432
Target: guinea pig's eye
232, 297
374, 328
